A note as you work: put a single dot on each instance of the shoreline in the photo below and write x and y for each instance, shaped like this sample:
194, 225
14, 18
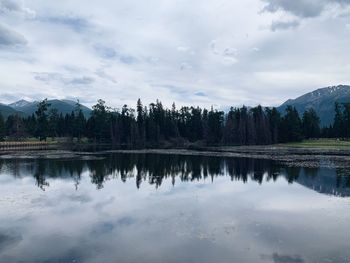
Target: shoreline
289, 156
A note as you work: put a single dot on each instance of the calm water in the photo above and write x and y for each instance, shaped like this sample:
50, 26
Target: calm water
154, 208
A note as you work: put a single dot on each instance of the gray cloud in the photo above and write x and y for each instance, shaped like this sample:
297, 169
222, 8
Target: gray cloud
174, 89
15, 7
111, 53
281, 25
9, 6
49, 77
81, 81
102, 74
105, 52
300, 8
74, 22
346, 2
10, 38
200, 94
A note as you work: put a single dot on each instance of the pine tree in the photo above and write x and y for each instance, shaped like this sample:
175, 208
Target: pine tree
230, 134
141, 116
274, 119
338, 121
42, 120
291, 126
2, 128
100, 118
30, 125
79, 122
311, 124
53, 119
15, 127
346, 119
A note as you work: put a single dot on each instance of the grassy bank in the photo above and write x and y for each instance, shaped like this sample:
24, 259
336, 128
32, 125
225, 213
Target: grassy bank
321, 143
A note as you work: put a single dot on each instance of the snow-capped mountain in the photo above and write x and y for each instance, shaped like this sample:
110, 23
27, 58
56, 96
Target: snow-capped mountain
322, 100
19, 104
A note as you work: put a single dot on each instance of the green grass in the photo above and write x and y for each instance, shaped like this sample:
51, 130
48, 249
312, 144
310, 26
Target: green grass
320, 143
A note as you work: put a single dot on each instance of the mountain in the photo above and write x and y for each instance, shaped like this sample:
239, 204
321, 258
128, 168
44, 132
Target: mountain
322, 100
63, 106
19, 104
6, 110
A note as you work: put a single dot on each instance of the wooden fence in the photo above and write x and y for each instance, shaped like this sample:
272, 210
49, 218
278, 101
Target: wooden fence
24, 145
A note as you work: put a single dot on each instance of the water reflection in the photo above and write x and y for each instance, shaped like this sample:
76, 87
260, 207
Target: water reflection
169, 209
155, 168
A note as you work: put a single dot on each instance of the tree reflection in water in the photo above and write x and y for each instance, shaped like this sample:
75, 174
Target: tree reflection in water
155, 168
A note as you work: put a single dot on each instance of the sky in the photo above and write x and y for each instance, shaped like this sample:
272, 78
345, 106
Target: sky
200, 52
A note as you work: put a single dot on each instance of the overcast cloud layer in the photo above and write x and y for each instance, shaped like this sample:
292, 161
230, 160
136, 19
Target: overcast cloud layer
222, 52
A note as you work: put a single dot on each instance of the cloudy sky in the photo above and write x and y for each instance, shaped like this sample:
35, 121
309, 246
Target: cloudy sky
201, 52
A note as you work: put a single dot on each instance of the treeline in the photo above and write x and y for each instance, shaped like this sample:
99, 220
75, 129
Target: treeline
156, 124
341, 125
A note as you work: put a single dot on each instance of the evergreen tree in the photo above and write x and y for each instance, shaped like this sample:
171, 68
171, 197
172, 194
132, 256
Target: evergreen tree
100, 126
174, 121
141, 123
30, 125
61, 127
42, 120
290, 126
243, 126
311, 124
274, 119
338, 125
262, 126
230, 129
15, 127
346, 120
53, 121
2, 128
79, 122
215, 126
195, 128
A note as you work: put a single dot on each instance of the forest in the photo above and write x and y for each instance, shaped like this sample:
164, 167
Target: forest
154, 125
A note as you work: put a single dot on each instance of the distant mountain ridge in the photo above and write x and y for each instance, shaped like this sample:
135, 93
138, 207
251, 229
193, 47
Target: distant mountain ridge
18, 104
6, 111
27, 108
321, 100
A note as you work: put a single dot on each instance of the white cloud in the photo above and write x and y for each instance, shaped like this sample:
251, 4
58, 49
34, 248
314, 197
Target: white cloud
183, 49
191, 52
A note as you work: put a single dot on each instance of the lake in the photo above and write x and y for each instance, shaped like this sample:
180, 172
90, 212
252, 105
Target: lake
172, 208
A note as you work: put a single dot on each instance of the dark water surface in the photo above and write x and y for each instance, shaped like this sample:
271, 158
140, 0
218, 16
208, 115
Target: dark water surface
167, 208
